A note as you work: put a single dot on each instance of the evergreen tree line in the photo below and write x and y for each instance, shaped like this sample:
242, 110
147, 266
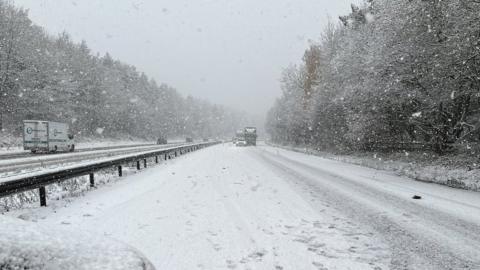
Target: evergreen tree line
53, 78
391, 75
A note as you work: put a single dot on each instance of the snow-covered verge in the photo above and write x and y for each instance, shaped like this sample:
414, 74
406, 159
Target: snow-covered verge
28, 245
425, 170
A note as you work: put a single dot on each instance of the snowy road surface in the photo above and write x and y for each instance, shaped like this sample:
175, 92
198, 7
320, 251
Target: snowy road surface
267, 208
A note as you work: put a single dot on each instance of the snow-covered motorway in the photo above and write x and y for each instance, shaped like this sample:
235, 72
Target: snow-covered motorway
267, 208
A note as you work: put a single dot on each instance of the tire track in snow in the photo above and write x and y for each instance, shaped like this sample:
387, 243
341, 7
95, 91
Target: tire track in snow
414, 233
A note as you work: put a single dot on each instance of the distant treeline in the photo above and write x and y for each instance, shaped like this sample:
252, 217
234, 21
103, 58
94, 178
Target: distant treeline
52, 78
391, 75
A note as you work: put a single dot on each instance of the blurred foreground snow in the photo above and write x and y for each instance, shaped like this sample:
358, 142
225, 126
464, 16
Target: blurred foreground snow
27, 245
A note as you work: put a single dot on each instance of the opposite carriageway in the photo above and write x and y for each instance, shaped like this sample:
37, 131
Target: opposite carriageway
26, 154
39, 180
41, 162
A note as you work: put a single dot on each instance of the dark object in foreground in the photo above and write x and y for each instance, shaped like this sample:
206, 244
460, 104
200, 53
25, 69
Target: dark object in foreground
416, 197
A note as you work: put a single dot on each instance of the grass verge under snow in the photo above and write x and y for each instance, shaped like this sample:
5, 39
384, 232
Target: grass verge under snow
453, 171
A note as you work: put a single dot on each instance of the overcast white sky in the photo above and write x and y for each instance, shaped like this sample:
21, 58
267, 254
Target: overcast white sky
230, 52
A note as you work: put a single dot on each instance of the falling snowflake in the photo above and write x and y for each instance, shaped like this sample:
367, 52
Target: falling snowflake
417, 114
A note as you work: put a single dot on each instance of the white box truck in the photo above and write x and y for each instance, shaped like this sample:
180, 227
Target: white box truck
46, 136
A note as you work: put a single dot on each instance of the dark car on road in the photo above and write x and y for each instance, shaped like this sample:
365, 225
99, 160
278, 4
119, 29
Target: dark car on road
161, 140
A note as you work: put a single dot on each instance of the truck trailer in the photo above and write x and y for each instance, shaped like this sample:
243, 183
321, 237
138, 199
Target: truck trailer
46, 136
250, 134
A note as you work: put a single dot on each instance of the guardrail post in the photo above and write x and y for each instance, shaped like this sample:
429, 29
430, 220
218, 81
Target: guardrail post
43, 196
145, 163
120, 173
156, 159
92, 180
138, 164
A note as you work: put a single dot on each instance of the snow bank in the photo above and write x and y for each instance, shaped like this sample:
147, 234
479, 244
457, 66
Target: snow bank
453, 177
26, 245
